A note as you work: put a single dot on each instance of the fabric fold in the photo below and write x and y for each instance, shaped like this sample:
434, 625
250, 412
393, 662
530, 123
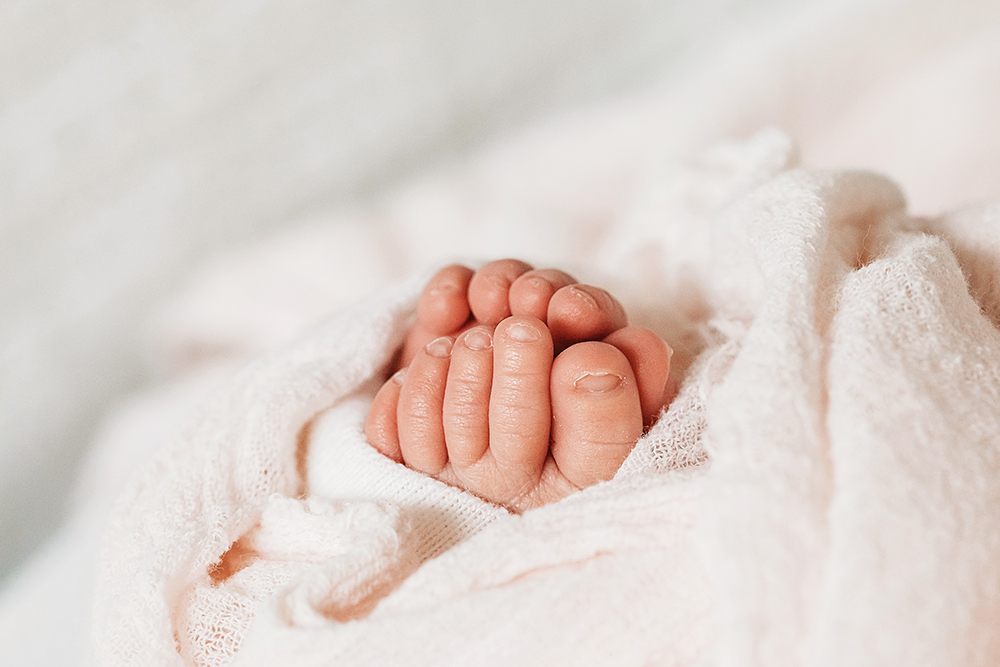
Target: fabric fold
914, 532
784, 250
821, 492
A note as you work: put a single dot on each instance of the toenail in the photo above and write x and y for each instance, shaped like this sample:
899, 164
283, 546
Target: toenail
598, 382
440, 347
539, 282
477, 339
444, 288
523, 333
585, 296
398, 376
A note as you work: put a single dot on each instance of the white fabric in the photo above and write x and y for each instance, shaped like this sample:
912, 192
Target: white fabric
821, 492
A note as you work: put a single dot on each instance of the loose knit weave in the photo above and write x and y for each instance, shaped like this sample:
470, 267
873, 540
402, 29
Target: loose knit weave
822, 490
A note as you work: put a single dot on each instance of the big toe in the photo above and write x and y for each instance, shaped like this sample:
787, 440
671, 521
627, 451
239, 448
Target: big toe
596, 412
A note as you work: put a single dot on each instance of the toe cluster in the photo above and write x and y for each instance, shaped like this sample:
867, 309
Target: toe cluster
520, 385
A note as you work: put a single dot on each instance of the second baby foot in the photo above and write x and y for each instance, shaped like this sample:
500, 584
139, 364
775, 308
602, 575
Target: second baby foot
492, 412
457, 298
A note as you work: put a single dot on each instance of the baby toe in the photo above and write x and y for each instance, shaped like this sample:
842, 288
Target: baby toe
489, 290
380, 424
444, 301
520, 414
442, 309
467, 398
583, 312
530, 294
649, 357
419, 410
596, 412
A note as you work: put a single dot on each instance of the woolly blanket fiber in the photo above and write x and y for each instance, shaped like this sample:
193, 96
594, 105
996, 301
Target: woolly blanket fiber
823, 490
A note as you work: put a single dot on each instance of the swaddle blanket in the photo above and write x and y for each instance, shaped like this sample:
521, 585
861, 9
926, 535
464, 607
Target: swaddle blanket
824, 490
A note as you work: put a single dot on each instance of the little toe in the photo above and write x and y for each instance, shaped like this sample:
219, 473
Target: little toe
596, 412
380, 425
520, 412
489, 290
443, 309
467, 398
649, 357
530, 294
419, 410
583, 312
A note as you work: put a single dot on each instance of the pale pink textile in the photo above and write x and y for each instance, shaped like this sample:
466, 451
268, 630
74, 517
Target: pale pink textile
821, 492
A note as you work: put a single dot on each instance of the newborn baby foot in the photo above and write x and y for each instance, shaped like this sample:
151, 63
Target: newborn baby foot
457, 298
494, 410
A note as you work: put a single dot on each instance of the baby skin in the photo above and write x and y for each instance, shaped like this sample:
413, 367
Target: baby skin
521, 386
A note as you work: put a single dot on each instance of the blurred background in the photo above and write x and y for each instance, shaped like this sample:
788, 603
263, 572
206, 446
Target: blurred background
137, 139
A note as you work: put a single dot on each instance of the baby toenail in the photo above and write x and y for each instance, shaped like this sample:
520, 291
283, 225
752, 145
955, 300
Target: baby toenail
398, 376
523, 333
442, 289
477, 339
440, 347
539, 283
598, 382
585, 296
